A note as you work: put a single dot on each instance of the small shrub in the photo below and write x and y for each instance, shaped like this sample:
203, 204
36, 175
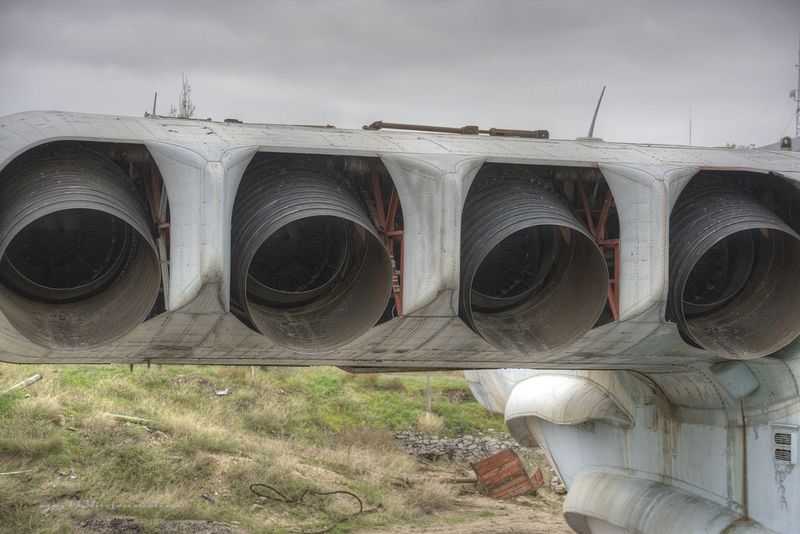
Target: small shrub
394, 384
457, 395
369, 381
430, 423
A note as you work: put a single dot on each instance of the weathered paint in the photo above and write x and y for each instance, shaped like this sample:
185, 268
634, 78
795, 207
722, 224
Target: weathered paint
691, 442
678, 441
202, 162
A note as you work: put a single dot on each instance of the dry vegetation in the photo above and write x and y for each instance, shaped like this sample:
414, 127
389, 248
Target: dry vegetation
430, 423
294, 429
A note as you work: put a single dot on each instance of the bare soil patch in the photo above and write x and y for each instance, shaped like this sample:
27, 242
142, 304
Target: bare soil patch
103, 524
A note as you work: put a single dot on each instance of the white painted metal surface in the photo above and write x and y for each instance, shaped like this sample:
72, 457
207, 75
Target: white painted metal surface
202, 163
564, 400
649, 433
605, 502
692, 443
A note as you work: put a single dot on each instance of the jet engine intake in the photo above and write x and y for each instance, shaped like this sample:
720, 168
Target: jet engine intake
532, 278
78, 263
734, 273
309, 269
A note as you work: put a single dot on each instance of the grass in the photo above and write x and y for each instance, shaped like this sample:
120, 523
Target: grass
430, 423
295, 429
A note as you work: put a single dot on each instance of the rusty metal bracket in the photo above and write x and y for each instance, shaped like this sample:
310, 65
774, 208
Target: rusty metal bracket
464, 130
608, 246
391, 233
156, 193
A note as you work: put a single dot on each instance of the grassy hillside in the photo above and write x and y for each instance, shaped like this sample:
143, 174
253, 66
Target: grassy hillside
295, 429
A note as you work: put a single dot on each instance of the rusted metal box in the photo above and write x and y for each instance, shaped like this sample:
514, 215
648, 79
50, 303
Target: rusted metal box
504, 476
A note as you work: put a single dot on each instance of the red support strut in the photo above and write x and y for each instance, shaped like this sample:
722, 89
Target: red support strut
598, 231
392, 235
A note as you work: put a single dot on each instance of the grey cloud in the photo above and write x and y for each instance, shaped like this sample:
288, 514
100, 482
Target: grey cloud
505, 64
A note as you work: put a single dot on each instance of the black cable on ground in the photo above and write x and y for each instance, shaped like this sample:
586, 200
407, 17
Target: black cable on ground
280, 497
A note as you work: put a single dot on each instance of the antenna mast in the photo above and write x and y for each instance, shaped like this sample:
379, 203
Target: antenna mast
796, 94
594, 117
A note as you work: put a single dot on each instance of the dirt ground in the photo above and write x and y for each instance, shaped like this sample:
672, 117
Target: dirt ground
475, 513
469, 512
102, 524
534, 515
520, 517
472, 513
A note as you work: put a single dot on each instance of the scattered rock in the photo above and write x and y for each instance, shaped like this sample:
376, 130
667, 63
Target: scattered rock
64, 472
222, 392
116, 525
101, 524
461, 449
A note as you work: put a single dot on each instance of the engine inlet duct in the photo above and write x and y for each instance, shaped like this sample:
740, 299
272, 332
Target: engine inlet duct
532, 278
734, 273
309, 270
79, 266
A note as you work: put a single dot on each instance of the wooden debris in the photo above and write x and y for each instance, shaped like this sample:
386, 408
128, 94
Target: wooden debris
16, 472
538, 478
503, 475
147, 423
25, 383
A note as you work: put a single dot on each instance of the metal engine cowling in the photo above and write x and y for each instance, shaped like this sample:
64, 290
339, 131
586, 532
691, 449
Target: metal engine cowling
309, 270
734, 272
79, 265
532, 278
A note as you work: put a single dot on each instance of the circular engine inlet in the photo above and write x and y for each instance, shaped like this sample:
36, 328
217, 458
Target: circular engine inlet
309, 270
734, 283
532, 279
67, 255
300, 262
78, 260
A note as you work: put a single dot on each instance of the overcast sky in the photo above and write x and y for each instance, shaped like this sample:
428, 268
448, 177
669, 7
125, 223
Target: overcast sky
536, 64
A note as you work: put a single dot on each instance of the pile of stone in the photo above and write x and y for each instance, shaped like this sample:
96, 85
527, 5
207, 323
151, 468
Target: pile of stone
461, 449
557, 486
